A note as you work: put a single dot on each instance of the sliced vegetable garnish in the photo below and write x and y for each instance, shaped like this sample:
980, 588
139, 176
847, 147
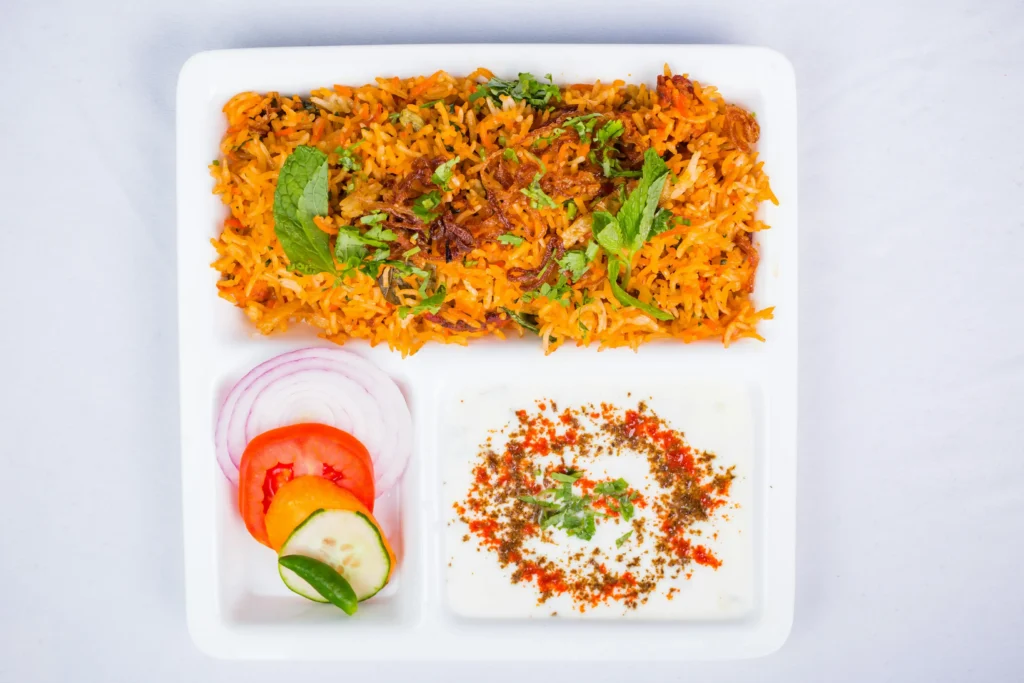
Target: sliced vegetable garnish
350, 542
276, 457
326, 385
297, 499
328, 583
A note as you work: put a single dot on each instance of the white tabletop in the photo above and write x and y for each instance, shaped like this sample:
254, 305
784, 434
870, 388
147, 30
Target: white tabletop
911, 505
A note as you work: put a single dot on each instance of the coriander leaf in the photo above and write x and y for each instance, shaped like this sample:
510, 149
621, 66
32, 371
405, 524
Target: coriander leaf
527, 88
443, 174
532, 500
375, 217
527, 321
612, 488
626, 299
548, 139
557, 292
510, 155
347, 158
394, 116
425, 206
538, 198
583, 125
377, 235
623, 538
557, 518
300, 195
432, 304
592, 249
613, 169
570, 209
575, 263
430, 104
566, 478
349, 248
610, 131
411, 252
510, 239
626, 510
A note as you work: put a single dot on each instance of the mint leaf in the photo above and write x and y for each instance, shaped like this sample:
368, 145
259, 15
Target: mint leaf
302, 194
608, 233
637, 212
627, 299
663, 221
443, 174
510, 239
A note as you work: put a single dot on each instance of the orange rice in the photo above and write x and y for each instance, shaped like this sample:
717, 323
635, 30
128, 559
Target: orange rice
702, 273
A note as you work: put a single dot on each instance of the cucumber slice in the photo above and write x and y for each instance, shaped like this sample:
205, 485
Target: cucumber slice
345, 540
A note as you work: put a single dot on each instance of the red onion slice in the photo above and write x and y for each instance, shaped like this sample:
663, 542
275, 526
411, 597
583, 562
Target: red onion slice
329, 386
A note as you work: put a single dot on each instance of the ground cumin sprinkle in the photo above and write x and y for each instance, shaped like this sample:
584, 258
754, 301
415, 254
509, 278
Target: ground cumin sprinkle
546, 456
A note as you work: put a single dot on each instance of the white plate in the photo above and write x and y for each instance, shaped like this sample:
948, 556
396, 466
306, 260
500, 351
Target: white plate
236, 605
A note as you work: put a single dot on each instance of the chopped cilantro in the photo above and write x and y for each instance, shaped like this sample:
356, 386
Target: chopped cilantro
432, 304
548, 139
443, 174
347, 158
510, 155
610, 131
623, 538
526, 88
527, 321
558, 292
374, 218
510, 239
583, 125
425, 206
538, 198
411, 252
570, 209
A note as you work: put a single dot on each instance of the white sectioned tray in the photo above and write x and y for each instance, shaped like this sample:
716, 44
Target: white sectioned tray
437, 605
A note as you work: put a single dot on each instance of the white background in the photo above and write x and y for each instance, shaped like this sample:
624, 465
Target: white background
911, 502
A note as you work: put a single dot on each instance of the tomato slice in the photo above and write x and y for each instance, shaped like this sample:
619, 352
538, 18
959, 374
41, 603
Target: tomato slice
278, 456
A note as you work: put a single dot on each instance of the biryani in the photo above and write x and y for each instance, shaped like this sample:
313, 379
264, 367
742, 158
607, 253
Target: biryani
444, 208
